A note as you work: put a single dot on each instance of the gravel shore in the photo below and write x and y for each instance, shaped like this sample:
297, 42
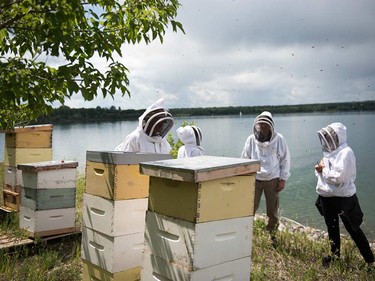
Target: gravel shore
295, 227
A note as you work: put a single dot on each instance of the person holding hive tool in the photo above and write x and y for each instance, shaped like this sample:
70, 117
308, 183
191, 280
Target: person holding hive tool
336, 173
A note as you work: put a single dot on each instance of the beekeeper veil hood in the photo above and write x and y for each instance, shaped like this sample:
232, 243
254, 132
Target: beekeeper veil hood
332, 136
263, 127
197, 134
190, 135
156, 120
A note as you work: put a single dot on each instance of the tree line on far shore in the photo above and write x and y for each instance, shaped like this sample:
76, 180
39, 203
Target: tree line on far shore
65, 114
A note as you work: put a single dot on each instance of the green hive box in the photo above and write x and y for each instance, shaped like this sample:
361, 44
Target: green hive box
46, 199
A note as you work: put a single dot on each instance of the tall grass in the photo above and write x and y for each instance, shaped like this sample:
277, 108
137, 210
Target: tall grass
293, 257
296, 257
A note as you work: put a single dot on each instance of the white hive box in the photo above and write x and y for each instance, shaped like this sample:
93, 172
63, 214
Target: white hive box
113, 254
115, 175
49, 174
92, 272
114, 217
47, 222
193, 246
12, 177
155, 268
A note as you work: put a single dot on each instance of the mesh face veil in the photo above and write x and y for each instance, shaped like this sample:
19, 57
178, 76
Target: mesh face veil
263, 133
328, 139
198, 135
157, 122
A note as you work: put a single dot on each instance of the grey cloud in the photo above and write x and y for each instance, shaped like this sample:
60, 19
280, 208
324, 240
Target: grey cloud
257, 52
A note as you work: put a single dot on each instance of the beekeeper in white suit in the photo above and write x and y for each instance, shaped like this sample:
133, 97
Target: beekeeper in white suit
191, 137
271, 149
336, 174
149, 136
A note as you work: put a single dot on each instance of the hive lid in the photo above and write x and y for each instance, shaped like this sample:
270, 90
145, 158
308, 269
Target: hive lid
31, 128
47, 165
121, 157
201, 168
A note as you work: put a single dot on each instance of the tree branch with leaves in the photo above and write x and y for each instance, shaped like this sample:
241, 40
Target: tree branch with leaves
47, 47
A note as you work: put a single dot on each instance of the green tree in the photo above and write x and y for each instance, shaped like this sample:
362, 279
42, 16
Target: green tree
47, 46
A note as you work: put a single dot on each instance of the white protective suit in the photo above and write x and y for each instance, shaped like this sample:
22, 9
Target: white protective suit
191, 137
140, 141
273, 155
338, 175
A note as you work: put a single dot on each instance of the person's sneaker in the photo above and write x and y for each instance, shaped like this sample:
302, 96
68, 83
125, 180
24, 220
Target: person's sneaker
327, 260
370, 267
273, 240
272, 234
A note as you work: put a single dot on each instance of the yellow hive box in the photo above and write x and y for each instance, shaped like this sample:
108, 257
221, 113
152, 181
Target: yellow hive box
115, 175
202, 189
16, 156
38, 136
92, 272
219, 199
116, 182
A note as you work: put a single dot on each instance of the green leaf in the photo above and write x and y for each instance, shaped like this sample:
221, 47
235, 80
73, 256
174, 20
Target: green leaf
47, 46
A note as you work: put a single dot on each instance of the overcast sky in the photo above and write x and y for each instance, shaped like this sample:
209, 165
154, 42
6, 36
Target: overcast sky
255, 52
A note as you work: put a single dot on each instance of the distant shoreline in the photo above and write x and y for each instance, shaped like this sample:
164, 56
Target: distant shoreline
67, 115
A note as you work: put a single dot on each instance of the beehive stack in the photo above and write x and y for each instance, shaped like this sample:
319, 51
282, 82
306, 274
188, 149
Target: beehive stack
48, 197
23, 145
200, 218
115, 203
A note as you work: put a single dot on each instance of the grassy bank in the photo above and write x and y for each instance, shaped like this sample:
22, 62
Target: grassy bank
294, 257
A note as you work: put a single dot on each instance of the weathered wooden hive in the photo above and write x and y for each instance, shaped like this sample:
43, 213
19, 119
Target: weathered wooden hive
23, 145
115, 204
48, 197
200, 219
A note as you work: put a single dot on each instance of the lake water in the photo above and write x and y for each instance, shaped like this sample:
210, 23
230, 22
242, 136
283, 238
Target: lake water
225, 136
